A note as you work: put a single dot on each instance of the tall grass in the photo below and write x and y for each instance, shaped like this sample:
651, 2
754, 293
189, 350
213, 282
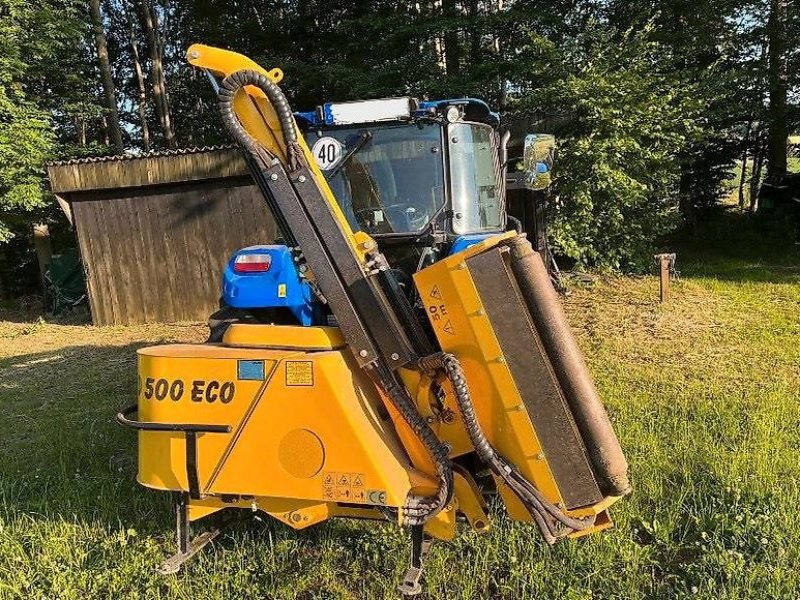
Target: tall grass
704, 391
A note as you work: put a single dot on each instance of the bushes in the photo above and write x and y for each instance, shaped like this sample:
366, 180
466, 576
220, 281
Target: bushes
618, 167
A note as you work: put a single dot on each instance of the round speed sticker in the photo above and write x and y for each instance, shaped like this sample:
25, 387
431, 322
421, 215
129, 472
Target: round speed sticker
327, 152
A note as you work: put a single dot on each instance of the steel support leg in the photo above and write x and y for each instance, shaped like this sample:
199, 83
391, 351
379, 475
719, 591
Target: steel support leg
411, 584
187, 547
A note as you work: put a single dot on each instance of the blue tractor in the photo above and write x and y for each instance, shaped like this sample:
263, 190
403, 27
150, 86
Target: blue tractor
425, 179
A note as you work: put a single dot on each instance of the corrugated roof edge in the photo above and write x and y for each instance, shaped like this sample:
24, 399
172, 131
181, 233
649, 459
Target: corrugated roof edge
143, 155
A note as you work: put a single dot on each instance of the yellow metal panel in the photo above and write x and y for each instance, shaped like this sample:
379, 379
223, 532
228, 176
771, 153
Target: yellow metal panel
307, 431
245, 335
443, 525
458, 318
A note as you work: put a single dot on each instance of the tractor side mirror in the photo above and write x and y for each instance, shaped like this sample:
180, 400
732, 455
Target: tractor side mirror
537, 161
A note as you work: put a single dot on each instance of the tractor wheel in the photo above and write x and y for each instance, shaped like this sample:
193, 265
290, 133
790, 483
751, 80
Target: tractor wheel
220, 320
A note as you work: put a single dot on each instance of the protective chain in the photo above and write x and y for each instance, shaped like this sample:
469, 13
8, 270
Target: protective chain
418, 509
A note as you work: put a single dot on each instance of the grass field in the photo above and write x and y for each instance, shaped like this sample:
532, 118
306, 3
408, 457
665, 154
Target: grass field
704, 391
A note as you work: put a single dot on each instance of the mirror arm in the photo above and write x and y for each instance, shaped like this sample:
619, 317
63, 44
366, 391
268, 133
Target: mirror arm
504, 148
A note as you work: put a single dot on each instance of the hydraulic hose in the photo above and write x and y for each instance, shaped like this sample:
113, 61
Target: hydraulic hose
417, 509
552, 521
227, 91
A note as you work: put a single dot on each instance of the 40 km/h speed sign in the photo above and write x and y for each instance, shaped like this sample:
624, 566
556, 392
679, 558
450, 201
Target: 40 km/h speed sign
327, 152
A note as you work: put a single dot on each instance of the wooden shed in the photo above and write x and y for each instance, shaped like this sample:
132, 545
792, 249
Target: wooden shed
156, 230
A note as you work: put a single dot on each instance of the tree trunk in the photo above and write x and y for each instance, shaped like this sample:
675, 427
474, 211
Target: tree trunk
755, 180
157, 28
157, 79
437, 43
502, 95
475, 34
80, 129
109, 92
744, 165
778, 88
452, 49
140, 83
44, 251
685, 200
104, 131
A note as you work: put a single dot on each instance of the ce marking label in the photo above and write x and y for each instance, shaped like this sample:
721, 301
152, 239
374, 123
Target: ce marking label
376, 497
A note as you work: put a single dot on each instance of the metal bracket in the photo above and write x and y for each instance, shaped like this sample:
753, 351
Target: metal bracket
411, 584
187, 547
190, 431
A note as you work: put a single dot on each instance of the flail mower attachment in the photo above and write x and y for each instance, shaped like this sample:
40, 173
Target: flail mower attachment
383, 416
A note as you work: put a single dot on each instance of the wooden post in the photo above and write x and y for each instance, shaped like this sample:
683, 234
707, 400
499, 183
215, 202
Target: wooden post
666, 263
44, 250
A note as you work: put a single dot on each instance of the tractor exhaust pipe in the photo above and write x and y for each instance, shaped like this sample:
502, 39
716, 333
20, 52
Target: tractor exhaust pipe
602, 446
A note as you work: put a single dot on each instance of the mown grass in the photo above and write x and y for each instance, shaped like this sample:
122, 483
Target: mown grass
703, 391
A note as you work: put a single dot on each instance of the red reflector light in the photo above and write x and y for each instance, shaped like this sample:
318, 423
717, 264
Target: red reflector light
252, 263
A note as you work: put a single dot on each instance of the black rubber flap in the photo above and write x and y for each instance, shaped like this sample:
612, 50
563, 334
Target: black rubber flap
534, 377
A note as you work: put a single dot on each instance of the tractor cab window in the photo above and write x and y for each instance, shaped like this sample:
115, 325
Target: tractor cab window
387, 179
474, 181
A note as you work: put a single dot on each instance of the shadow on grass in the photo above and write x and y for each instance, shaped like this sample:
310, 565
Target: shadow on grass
64, 454
22, 313
734, 246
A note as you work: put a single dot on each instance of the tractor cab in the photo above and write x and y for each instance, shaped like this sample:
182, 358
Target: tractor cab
411, 173
423, 178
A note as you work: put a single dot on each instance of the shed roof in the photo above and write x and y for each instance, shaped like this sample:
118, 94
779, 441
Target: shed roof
152, 168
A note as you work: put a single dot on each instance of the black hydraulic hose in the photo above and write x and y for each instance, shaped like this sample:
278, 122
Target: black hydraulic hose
547, 516
227, 90
417, 509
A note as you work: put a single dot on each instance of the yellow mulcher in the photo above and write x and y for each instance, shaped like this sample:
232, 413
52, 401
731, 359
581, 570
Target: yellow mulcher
363, 390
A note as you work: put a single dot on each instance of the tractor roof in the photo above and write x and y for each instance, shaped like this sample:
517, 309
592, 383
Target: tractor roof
363, 112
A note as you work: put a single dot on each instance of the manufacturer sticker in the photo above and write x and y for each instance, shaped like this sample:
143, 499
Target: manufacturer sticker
299, 372
251, 370
281, 290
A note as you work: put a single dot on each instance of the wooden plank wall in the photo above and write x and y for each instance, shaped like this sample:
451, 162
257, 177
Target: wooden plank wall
156, 254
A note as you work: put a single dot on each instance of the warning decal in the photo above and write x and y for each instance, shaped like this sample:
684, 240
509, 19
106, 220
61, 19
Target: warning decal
343, 487
299, 372
436, 294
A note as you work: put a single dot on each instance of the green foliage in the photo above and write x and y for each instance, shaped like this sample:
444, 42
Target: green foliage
649, 99
25, 144
618, 166
31, 33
